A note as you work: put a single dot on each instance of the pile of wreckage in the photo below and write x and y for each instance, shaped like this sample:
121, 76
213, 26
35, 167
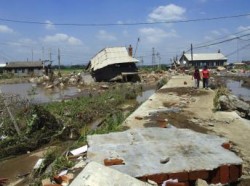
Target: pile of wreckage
151, 156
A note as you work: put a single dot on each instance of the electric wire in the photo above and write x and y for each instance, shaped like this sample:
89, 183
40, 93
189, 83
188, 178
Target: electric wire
124, 24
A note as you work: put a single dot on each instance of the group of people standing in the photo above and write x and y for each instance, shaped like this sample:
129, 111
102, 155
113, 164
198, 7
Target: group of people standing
204, 74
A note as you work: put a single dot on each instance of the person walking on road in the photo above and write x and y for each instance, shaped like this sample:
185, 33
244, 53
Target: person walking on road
205, 77
196, 77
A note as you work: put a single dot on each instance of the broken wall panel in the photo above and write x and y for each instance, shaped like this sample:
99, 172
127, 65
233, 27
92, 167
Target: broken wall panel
190, 154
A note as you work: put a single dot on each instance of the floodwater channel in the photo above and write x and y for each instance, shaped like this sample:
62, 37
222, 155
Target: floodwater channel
37, 94
236, 88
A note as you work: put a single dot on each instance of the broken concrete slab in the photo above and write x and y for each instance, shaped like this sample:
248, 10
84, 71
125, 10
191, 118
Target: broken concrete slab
143, 149
95, 174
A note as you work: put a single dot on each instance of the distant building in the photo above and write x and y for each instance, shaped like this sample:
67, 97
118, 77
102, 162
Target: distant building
2, 65
205, 59
246, 62
113, 64
20, 68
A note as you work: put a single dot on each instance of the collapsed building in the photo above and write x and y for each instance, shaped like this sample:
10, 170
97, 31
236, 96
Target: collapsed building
114, 64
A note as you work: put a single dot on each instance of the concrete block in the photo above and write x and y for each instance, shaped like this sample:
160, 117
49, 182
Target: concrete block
189, 153
95, 174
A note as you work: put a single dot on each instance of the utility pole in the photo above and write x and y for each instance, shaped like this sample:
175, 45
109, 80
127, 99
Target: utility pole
42, 53
153, 56
59, 62
159, 59
191, 54
32, 55
50, 55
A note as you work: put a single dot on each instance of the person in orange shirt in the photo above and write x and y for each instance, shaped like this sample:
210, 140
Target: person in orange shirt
205, 77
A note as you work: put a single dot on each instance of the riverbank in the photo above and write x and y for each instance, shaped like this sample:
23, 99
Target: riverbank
191, 111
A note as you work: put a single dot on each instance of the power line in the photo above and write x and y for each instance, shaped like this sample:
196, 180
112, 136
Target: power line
242, 48
123, 24
203, 43
216, 43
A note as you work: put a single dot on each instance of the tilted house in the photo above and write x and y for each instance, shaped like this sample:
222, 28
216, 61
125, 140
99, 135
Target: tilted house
113, 64
20, 68
203, 59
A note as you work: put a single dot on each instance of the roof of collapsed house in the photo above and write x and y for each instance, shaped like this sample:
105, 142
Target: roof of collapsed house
109, 56
21, 64
205, 56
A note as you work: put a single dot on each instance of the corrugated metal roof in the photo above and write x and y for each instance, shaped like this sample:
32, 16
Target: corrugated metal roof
109, 56
206, 56
24, 64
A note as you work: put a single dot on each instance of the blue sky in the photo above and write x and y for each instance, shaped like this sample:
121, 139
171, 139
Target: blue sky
79, 43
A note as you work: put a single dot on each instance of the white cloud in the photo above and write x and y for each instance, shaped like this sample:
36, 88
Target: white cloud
5, 29
243, 28
49, 25
156, 35
169, 12
104, 35
119, 22
202, 1
62, 38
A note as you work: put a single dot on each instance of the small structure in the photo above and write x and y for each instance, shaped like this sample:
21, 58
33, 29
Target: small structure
20, 68
203, 59
114, 64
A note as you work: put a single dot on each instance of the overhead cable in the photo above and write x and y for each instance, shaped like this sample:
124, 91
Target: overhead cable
124, 24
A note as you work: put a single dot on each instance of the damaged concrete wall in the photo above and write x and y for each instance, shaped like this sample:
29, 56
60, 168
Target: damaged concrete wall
141, 153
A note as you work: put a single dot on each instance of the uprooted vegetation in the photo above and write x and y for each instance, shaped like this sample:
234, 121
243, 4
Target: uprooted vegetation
42, 124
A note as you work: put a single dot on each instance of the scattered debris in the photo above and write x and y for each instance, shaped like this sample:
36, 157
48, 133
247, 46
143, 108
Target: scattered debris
80, 150
97, 174
38, 163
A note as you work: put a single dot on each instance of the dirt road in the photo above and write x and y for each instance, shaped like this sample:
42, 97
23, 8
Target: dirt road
193, 108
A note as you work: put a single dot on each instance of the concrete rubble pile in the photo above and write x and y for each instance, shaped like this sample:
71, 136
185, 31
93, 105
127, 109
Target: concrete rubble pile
159, 154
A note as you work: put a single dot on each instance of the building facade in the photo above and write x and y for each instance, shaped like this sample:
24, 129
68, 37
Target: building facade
20, 68
206, 59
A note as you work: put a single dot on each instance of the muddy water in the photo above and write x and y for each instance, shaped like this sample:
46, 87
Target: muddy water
238, 90
38, 94
20, 165
144, 95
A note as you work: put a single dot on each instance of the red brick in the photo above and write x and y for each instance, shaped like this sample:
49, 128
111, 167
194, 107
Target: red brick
224, 174
235, 172
110, 162
202, 174
214, 176
181, 176
58, 179
226, 145
143, 178
158, 178
176, 184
